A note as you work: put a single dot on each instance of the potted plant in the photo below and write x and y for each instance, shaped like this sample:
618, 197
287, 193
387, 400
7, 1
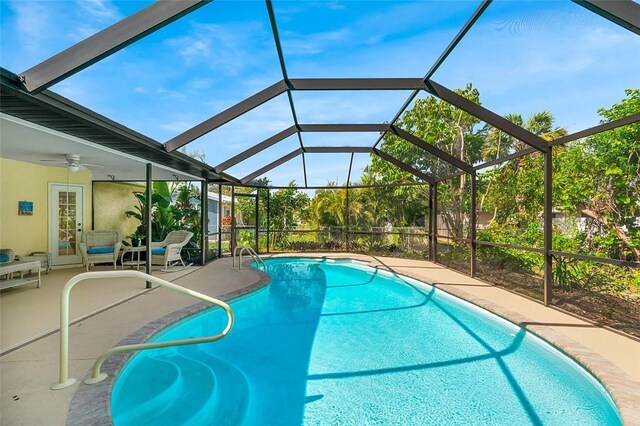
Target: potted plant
137, 236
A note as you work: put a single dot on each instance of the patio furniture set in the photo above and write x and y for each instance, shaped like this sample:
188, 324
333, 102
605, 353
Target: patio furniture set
95, 247
106, 247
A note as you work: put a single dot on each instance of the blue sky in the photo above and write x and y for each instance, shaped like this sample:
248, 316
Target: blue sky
522, 56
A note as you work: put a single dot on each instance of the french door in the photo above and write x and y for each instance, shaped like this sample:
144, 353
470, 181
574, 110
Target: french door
66, 219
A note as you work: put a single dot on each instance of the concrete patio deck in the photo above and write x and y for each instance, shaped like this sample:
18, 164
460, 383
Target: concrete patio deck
27, 312
28, 371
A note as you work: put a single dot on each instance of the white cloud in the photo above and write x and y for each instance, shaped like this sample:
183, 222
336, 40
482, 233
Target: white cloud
32, 21
195, 49
100, 9
229, 48
200, 83
311, 44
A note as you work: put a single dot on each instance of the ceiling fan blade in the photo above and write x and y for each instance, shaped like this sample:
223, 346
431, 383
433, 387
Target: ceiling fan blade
55, 161
93, 165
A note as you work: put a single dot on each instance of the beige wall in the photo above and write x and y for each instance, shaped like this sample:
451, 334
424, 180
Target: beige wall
21, 181
111, 200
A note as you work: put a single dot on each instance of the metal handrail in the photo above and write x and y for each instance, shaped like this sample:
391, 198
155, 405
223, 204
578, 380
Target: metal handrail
97, 376
251, 252
254, 255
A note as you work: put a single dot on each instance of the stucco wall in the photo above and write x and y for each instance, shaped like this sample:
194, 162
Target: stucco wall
20, 181
111, 200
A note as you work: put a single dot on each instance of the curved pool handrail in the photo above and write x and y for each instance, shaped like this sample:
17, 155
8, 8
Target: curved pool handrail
255, 257
97, 376
251, 252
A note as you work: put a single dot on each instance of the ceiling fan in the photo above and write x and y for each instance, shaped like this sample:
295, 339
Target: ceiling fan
73, 163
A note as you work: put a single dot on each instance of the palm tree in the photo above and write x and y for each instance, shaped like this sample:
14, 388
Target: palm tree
499, 144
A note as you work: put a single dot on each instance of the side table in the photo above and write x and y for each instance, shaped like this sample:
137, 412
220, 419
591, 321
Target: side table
135, 253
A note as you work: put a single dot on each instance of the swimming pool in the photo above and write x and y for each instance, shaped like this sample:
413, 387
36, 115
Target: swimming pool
340, 343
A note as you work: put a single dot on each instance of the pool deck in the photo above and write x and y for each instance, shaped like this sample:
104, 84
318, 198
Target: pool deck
28, 369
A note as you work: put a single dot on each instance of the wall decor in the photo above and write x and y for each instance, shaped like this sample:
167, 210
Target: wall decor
25, 208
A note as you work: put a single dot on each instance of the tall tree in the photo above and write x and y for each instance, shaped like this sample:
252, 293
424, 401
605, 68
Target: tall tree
448, 128
599, 178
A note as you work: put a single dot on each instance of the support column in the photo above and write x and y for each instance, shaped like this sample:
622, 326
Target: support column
473, 221
233, 219
148, 219
204, 221
435, 222
219, 220
346, 220
430, 223
548, 226
257, 220
268, 216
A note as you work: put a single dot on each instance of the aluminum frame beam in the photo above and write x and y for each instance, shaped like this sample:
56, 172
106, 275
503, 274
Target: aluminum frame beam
106, 42
633, 118
272, 165
320, 128
390, 185
226, 116
335, 84
404, 166
338, 149
304, 169
547, 227
350, 168
451, 176
287, 85
487, 116
255, 149
445, 156
504, 158
625, 13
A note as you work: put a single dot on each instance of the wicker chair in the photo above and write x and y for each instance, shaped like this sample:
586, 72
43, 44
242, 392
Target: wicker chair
168, 251
100, 247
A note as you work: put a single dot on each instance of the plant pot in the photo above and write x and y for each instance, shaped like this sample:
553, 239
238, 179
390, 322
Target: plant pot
135, 242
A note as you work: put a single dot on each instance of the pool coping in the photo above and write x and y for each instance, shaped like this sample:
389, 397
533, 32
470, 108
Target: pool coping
91, 404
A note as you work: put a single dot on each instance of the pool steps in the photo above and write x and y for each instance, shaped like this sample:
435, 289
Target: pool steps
203, 390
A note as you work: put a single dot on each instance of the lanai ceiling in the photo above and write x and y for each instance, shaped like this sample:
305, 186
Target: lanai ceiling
294, 84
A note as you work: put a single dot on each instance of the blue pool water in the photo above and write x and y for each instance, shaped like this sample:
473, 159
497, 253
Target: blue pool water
339, 343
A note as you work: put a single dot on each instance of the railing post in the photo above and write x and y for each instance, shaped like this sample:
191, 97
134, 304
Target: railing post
220, 220
473, 222
548, 226
148, 220
63, 378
